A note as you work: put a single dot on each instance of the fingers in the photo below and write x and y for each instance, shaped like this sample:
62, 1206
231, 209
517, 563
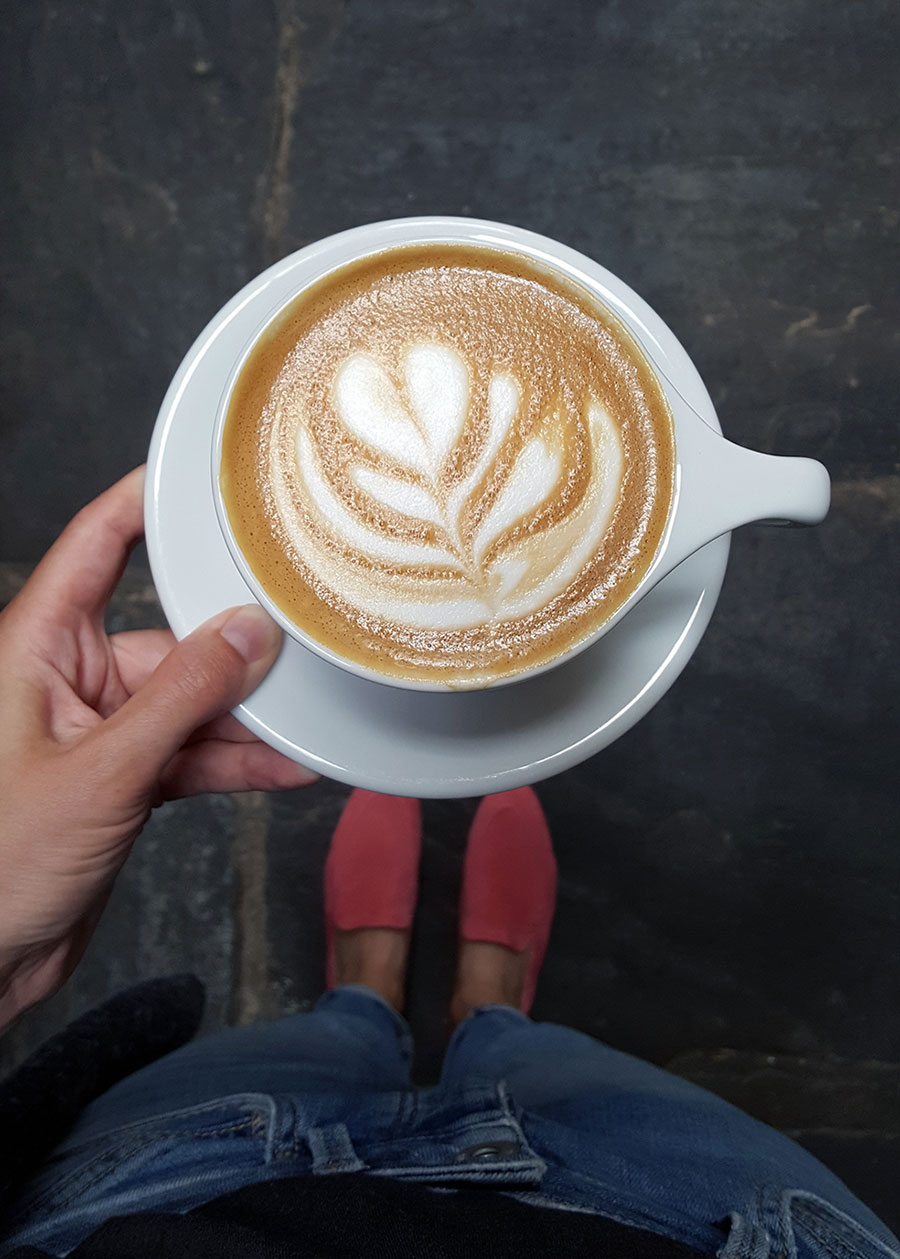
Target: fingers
203, 676
214, 765
84, 565
138, 652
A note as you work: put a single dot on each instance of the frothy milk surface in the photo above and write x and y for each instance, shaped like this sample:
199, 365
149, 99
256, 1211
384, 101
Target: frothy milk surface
447, 464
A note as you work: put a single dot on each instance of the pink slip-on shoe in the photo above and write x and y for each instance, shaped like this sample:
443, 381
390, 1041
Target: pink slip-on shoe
372, 871
509, 880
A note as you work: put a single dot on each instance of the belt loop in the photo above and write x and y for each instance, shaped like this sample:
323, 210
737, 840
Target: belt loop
507, 1102
332, 1151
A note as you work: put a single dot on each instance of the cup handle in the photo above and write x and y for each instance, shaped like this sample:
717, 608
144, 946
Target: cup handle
720, 486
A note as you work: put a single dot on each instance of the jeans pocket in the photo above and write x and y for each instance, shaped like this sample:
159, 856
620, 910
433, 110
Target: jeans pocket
821, 1231
148, 1157
797, 1224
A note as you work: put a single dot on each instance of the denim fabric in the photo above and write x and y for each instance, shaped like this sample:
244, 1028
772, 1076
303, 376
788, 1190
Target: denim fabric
534, 1110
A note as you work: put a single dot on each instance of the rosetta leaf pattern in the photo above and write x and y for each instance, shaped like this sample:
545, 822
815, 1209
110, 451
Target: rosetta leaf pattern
435, 514
416, 424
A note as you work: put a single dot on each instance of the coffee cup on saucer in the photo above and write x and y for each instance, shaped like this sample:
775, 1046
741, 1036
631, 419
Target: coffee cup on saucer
448, 463
354, 728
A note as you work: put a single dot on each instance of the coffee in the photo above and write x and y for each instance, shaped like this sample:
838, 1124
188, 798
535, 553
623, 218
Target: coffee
446, 464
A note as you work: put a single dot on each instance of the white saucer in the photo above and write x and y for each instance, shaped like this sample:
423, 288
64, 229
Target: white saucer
384, 738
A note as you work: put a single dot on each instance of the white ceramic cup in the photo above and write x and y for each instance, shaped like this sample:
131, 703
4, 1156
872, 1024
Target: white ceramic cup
718, 485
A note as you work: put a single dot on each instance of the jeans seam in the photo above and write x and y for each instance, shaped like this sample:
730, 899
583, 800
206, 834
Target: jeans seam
103, 1164
631, 1213
109, 1159
631, 1217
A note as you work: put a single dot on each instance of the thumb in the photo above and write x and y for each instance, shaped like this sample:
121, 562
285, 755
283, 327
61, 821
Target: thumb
204, 675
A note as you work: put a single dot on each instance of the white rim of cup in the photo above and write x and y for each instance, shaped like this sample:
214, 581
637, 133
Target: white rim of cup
436, 230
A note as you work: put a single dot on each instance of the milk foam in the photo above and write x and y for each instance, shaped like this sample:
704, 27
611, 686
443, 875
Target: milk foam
465, 577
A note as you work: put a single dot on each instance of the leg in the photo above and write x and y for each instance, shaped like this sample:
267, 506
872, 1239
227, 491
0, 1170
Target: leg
258, 1102
355, 1040
619, 1122
507, 904
611, 1128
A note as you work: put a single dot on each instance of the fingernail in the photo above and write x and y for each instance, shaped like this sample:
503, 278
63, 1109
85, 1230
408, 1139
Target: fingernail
251, 632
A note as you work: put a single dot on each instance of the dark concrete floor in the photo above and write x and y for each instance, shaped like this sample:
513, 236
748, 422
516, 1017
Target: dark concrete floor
730, 871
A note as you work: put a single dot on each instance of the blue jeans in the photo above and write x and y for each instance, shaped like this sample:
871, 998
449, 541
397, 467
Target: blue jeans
534, 1110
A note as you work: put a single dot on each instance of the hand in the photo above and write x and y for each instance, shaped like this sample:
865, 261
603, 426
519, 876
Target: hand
99, 729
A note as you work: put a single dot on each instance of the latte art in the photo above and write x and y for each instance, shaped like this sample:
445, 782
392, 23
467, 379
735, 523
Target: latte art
444, 466
470, 567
